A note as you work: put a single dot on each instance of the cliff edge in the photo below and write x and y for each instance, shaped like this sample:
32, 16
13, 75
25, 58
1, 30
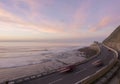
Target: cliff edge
113, 40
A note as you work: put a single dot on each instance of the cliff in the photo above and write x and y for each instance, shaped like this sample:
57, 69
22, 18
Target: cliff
113, 40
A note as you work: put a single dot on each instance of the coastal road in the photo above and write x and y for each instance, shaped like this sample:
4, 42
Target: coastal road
81, 71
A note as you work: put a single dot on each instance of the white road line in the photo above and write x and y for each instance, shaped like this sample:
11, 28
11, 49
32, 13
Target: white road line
55, 81
77, 82
81, 70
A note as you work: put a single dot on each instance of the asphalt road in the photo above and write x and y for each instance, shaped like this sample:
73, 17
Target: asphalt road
81, 71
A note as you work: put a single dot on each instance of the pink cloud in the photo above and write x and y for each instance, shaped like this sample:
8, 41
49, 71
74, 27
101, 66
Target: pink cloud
47, 26
80, 15
5, 16
37, 5
104, 22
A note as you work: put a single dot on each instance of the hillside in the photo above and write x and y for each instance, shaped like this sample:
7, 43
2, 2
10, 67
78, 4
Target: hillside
114, 39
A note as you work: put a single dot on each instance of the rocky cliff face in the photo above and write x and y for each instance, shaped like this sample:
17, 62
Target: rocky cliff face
114, 39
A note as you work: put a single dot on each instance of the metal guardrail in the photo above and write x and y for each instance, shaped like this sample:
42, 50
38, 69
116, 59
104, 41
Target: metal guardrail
112, 50
27, 78
31, 77
98, 74
104, 79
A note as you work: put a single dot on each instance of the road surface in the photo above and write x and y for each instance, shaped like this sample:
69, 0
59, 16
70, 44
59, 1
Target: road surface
81, 71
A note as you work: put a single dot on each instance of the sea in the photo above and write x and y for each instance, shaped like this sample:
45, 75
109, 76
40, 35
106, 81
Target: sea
15, 54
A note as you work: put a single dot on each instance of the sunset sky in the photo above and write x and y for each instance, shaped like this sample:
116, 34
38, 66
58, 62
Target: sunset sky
58, 20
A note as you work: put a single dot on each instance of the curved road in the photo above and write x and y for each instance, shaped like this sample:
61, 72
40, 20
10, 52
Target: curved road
81, 71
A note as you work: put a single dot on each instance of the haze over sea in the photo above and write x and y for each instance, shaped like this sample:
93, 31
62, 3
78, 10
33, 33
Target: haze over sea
14, 54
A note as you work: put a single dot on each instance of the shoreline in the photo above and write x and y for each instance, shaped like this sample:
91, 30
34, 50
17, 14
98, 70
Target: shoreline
7, 74
66, 58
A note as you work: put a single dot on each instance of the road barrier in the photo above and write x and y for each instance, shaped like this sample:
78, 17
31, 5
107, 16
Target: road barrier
101, 72
113, 51
104, 79
27, 78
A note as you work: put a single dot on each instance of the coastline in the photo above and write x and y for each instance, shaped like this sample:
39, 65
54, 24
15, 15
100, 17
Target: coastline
7, 74
66, 58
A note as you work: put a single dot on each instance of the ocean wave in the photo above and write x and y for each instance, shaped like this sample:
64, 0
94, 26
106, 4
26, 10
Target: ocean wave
23, 56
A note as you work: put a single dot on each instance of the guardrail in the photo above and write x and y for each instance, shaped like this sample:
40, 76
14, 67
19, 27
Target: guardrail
101, 72
105, 79
112, 50
31, 77
27, 78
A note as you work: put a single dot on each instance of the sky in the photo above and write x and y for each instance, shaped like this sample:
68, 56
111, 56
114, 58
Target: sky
62, 21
